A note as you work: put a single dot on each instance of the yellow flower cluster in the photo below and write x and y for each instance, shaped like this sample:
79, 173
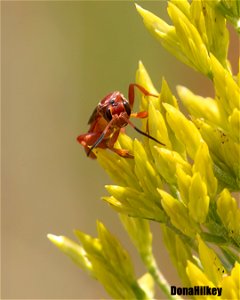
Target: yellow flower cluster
185, 185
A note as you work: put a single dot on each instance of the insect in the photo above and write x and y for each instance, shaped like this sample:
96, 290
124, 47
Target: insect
108, 119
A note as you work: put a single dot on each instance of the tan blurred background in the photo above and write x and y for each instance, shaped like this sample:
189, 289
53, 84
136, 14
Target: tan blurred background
58, 60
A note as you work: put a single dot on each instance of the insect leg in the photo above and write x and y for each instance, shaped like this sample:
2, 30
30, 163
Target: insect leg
113, 138
140, 115
87, 139
121, 152
131, 92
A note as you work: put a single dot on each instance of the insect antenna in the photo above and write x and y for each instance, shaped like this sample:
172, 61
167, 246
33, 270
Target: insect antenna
144, 133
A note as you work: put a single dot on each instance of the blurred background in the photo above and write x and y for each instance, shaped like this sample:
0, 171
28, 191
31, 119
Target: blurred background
59, 59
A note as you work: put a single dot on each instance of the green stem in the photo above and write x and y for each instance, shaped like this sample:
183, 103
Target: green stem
158, 277
216, 231
231, 256
225, 178
229, 15
140, 294
186, 239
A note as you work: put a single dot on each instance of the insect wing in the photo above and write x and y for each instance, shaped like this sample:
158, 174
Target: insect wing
102, 104
94, 115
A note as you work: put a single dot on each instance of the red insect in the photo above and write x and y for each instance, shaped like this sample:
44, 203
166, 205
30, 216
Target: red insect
107, 120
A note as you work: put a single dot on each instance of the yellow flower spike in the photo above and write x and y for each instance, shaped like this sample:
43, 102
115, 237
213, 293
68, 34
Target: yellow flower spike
111, 264
184, 6
137, 203
197, 277
231, 284
157, 127
226, 88
204, 165
166, 95
198, 199
230, 290
145, 172
183, 182
167, 162
234, 122
124, 207
212, 266
114, 252
115, 286
73, 250
197, 12
185, 130
119, 169
118, 205
90, 244
225, 153
140, 234
178, 214
231, 153
117, 267
151, 21
165, 33
205, 108
218, 36
127, 195
190, 41
133, 209
204, 15
145, 81
229, 213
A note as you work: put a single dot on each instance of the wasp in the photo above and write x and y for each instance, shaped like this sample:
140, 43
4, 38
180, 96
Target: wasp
109, 118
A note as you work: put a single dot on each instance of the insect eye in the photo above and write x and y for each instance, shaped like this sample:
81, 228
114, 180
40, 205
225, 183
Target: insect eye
127, 107
108, 115
112, 101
